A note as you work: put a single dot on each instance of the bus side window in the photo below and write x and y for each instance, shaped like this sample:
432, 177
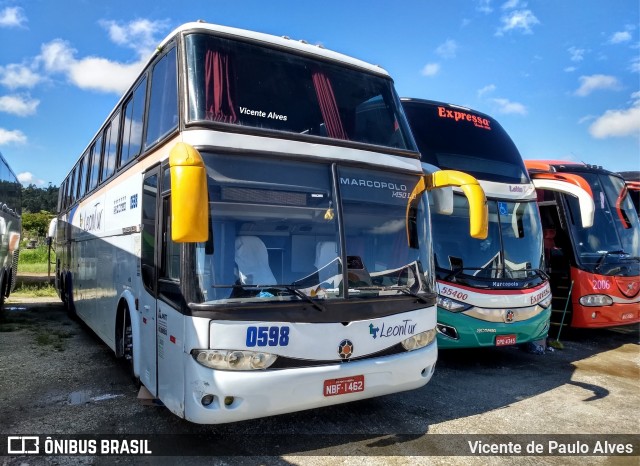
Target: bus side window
162, 117
96, 156
132, 124
111, 146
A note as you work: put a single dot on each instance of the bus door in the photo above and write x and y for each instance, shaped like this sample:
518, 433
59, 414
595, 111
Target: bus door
162, 325
171, 322
147, 307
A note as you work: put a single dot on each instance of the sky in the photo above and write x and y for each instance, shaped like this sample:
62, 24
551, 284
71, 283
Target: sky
562, 77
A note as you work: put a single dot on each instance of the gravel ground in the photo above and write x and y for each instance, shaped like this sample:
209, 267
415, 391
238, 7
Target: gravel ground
56, 377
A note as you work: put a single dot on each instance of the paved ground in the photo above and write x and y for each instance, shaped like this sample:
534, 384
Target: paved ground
56, 378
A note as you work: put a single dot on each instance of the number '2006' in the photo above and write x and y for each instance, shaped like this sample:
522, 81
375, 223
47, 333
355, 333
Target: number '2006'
267, 336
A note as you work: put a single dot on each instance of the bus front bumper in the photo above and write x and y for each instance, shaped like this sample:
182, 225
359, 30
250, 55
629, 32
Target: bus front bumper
241, 395
457, 330
605, 316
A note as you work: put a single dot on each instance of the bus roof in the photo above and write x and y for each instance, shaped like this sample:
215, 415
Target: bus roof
551, 166
278, 41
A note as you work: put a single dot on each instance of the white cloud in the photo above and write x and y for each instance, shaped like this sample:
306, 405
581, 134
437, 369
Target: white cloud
570, 69
430, 69
586, 118
635, 65
138, 35
95, 73
507, 107
29, 178
512, 4
619, 37
486, 90
18, 105
588, 84
618, 123
14, 76
91, 72
484, 6
15, 136
447, 49
577, 55
12, 17
518, 20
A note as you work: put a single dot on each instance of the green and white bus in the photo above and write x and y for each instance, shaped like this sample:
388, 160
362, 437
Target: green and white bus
492, 291
250, 229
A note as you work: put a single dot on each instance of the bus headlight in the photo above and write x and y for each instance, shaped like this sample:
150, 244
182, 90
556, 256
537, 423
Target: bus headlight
419, 340
545, 302
596, 300
452, 305
234, 360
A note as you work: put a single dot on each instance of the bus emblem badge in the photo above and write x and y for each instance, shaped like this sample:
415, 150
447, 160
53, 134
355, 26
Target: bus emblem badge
508, 317
345, 349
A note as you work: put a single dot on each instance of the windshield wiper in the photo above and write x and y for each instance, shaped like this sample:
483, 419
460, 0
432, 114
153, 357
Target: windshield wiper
605, 255
404, 289
303, 296
289, 288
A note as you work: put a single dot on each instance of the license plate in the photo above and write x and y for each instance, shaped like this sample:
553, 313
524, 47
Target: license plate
334, 387
627, 315
505, 340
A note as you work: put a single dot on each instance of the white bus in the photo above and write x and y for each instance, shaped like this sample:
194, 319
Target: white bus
10, 228
250, 230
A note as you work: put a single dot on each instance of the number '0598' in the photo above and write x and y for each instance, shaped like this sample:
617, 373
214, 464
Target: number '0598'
268, 336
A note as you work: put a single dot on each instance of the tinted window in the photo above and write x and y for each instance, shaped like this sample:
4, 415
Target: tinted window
111, 147
132, 125
243, 84
163, 104
149, 215
457, 138
82, 181
96, 153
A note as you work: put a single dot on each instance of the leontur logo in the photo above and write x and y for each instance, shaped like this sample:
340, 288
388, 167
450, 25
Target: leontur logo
93, 220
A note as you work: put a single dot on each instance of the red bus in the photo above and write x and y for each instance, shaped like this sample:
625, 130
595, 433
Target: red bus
596, 269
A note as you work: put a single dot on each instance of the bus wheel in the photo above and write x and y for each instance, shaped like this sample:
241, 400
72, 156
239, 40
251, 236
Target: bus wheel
68, 297
3, 287
127, 346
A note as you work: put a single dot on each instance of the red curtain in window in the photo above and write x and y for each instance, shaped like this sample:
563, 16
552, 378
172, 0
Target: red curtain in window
328, 106
219, 79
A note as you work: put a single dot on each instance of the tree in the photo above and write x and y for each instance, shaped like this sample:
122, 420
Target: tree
36, 224
36, 199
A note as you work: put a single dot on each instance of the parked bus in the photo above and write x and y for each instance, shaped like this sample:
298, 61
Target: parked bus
601, 261
10, 228
492, 291
632, 180
250, 229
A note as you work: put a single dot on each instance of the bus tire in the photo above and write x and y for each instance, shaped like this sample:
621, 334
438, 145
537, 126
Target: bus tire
126, 349
4, 287
3, 281
68, 297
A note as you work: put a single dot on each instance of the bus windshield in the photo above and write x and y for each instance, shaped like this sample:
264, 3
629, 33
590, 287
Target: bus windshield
269, 89
512, 249
614, 234
277, 235
459, 138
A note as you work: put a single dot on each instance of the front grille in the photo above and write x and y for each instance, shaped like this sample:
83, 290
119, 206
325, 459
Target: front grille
290, 363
